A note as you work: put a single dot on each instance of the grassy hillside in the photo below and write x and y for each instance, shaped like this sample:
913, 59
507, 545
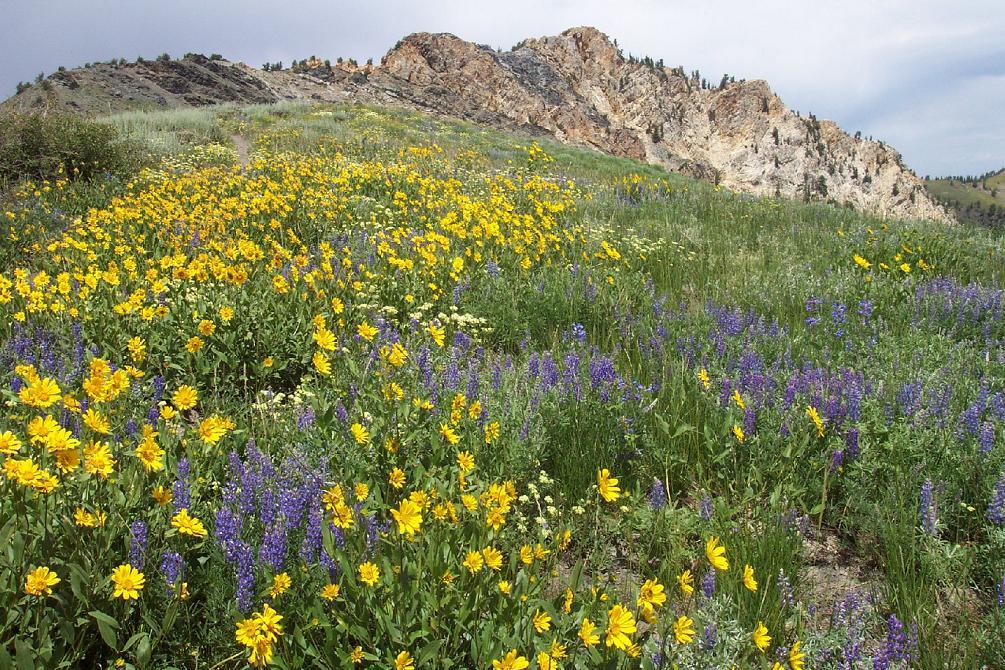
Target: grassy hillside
443, 397
979, 200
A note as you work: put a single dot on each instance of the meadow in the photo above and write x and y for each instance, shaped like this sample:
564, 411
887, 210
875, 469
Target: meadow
401, 392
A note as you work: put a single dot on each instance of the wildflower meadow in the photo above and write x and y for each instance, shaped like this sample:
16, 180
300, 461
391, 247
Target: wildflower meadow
403, 393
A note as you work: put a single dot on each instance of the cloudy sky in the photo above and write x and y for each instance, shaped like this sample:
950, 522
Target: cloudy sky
927, 76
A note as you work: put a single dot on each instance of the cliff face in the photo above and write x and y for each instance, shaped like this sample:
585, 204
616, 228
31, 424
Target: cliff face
575, 86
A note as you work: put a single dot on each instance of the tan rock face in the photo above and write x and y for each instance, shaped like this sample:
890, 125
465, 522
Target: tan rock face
576, 87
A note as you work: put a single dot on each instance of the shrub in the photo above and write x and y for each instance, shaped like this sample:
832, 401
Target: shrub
47, 146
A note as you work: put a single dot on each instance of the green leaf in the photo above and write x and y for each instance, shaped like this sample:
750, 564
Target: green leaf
428, 652
106, 627
25, 655
681, 430
143, 651
133, 640
577, 573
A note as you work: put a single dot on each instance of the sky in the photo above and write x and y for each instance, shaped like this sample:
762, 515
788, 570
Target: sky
926, 76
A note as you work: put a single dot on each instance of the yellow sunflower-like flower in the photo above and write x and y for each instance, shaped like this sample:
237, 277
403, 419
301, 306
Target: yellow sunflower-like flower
408, 516
369, 573
761, 638
188, 525
715, 552
683, 630
511, 661
40, 581
127, 582
620, 624
608, 485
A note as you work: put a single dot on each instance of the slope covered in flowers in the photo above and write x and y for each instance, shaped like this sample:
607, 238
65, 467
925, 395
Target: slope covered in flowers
400, 393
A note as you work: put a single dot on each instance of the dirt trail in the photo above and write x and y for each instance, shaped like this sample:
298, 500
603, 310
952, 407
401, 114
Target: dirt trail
243, 147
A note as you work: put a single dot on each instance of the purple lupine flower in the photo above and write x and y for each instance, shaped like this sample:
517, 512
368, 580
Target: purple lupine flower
785, 590
838, 318
749, 421
293, 501
330, 564
272, 552
708, 583
998, 406
896, 647
725, 391
137, 544
452, 374
971, 418
372, 529
181, 492
158, 388
601, 371
657, 495
570, 376
986, 439
851, 438
927, 510
306, 419
252, 483
267, 506
534, 366
837, 460
236, 466
996, 508
909, 398
813, 303
226, 528
313, 536
244, 571
462, 340
705, 508
471, 391
172, 565
549, 372
865, 309
709, 638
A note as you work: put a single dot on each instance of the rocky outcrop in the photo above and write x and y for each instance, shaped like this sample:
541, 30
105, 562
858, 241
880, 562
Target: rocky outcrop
579, 88
576, 87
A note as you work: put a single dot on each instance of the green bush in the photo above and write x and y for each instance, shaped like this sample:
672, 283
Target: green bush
51, 146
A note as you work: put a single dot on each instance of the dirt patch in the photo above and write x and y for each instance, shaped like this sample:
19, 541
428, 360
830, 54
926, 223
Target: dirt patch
243, 147
832, 571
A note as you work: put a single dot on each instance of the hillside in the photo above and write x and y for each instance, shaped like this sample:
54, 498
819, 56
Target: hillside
577, 87
979, 200
397, 388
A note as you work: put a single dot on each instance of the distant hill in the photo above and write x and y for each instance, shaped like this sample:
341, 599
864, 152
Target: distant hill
979, 200
577, 87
